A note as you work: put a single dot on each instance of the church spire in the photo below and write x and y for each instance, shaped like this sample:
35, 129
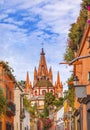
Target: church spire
58, 78
27, 85
58, 86
42, 69
35, 75
50, 74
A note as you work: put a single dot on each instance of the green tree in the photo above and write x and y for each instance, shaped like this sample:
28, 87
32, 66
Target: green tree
71, 93
3, 102
49, 99
8, 69
26, 102
76, 32
59, 102
48, 102
29, 107
69, 55
46, 112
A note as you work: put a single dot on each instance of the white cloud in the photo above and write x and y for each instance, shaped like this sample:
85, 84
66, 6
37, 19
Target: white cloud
49, 23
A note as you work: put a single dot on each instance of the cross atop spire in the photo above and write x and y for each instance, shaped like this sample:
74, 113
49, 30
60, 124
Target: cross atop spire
42, 44
42, 53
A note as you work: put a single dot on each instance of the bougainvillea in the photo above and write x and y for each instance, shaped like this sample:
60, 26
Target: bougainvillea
47, 123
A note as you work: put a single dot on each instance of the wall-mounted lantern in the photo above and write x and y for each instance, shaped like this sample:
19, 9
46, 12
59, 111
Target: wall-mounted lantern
79, 89
76, 80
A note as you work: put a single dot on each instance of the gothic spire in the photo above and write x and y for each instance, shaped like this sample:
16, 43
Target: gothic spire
42, 69
50, 74
35, 73
35, 76
27, 85
58, 78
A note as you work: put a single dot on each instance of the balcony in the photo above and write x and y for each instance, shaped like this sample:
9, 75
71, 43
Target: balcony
10, 111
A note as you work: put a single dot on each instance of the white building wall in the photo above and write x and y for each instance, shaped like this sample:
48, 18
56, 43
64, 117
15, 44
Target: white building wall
17, 96
59, 119
27, 121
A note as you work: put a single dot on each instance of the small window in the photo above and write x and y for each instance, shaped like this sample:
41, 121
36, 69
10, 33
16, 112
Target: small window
43, 77
43, 92
51, 91
35, 93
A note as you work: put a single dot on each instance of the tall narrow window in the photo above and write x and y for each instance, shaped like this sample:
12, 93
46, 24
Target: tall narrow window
43, 92
35, 93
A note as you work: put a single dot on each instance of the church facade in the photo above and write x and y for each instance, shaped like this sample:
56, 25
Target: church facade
43, 83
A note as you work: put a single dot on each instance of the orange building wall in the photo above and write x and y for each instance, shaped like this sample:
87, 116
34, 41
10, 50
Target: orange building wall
5, 80
81, 70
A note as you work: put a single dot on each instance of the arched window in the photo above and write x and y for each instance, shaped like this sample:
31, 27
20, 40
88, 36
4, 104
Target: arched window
51, 91
43, 92
36, 93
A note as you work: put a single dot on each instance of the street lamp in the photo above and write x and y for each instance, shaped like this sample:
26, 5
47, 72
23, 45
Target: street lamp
76, 80
79, 89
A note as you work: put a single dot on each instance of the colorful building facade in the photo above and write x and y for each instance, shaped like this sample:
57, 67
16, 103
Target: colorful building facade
43, 83
7, 84
81, 65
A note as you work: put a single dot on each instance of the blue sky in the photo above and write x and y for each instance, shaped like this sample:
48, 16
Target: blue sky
26, 24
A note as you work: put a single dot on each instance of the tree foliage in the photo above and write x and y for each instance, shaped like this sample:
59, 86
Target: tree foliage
8, 70
26, 102
46, 112
59, 102
32, 109
69, 54
76, 32
71, 93
49, 98
50, 102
